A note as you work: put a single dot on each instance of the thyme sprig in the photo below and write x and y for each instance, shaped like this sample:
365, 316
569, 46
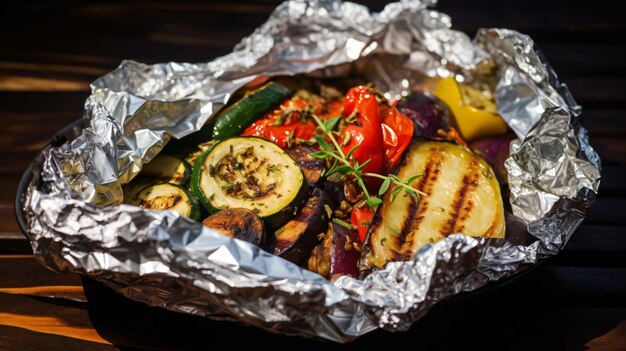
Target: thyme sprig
345, 165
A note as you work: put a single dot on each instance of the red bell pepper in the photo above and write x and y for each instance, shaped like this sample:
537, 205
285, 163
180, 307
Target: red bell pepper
283, 126
361, 107
361, 218
397, 134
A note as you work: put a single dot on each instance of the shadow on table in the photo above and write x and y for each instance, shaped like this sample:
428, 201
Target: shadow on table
497, 319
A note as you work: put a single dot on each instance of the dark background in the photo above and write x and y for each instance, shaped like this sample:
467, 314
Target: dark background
50, 52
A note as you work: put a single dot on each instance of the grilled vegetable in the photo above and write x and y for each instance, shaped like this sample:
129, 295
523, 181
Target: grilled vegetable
463, 197
161, 169
168, 196
297, 237
285, 125
167, 169
398, 131
495, 150
428, 113
338, 254
475, 114
313, 168
238, 223
233, 120
251, 173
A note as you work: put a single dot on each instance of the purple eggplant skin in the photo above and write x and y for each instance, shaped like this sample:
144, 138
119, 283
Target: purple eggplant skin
295, 240
427, 112
338, 254
495, 150
312, 168
238, 223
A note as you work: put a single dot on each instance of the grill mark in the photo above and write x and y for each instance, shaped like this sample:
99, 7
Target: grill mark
417, 210
460, 207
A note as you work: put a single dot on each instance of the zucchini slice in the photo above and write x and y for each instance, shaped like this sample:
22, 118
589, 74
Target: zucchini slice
235, 119
168, 196
250, 173
167, 169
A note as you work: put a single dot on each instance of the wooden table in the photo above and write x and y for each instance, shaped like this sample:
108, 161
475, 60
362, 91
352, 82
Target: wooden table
49, 54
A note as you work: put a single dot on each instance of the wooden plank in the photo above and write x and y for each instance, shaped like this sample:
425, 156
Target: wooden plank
20, 339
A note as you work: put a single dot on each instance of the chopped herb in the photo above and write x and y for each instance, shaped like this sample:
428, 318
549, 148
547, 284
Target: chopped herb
273, 168
329, 211
441, 209
343, 223
478, 152
382, 241
212, 197
279, 121
365, 224
231, 149
249, 151
394, 230
238, 165
431, 240
229, 186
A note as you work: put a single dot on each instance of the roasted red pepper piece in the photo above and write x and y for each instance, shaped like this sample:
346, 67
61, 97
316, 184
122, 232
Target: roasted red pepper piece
284, 125
361, 107
360, 218
397, 133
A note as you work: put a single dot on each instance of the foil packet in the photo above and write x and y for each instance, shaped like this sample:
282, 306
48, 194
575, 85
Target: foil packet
75, 221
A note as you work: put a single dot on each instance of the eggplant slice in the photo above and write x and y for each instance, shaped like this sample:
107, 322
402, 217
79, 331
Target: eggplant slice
313, 168
238, 223
296, 238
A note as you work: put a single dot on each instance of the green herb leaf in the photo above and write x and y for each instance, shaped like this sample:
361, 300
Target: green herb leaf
331, 123
324, 145
384, 187
319, 154
373, 201
411, 179
359, 168
395, 192
344, 170
413, 195
351, 151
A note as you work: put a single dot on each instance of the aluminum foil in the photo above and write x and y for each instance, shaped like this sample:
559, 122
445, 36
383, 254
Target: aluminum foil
75, 221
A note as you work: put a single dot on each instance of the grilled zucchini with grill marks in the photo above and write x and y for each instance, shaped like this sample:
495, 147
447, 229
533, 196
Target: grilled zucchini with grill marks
463, 197
250, 173
161, 169
168, 196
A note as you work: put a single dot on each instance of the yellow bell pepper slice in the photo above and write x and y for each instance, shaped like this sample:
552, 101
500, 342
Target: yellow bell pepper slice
475, 115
